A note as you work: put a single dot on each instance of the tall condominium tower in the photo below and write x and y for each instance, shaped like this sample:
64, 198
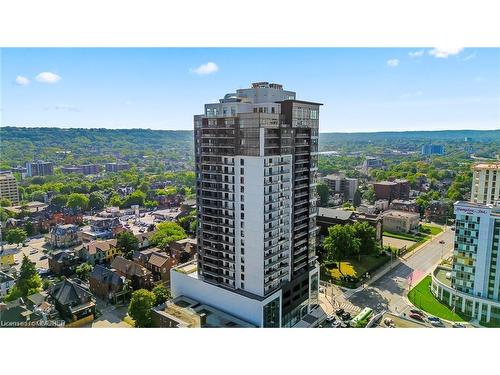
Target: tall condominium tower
256, 167
8, 187
486, 183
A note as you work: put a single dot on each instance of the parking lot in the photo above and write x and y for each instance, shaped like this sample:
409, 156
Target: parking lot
35, 250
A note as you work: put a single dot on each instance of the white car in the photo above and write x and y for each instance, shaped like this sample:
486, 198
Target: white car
33, 251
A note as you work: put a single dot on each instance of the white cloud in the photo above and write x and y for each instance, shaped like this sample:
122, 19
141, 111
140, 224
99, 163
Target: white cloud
443, 53
204, 69
418, 53
22, 81
48, 77
392, 63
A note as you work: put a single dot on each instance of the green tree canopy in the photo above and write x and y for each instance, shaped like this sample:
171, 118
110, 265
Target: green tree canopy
127, 243
166, 233
140, 306
96, 200
341, 243
161, 293
78, 201
324, 193
83, 271
16, 236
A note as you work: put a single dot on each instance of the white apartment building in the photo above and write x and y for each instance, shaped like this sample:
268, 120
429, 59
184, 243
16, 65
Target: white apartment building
256, 166
486, 183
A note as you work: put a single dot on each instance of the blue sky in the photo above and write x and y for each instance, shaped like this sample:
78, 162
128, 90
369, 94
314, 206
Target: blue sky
362, 89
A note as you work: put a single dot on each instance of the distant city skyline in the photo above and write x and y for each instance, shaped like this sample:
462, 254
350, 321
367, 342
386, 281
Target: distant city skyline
363, 89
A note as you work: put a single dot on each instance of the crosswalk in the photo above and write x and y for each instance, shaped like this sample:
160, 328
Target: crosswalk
349, 307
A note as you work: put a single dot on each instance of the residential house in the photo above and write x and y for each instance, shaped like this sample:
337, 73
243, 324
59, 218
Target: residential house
404, 205
64, 236
108, 284
99, 252
64, 262
75, 304
438, 211
144, 239
160, 264
6, 282
7, 256
142, 256
328, 217
36, 310
139, 276
102, 228
183, 250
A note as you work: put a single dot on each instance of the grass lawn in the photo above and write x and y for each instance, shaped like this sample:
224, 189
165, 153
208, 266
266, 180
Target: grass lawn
423, 299
407, 236
433, 229
353, 267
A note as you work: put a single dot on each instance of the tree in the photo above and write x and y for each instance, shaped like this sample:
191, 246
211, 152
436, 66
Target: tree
161, 293
367, 234
115, 200
29, 228
140, 306
369, 195
166, 233
16, 236
356, 200
59, 200
29, 281
97, 200
341, 243
127, 243
78, 201
83, 271
324, 193
38, 196
137, 197
5, 202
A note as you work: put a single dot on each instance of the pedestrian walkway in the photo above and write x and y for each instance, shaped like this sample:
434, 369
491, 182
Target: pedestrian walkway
350, 307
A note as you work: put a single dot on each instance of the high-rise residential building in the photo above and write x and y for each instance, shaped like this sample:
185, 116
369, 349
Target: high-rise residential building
339, 183
486, 183
432, 149
8, 187
256, 167
39, 168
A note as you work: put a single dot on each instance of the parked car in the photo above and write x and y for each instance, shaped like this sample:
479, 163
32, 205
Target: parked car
33, 251
458, 325
331, 319
417, 317
437, 323
339, 312
442, 242
415, 311
43, 257
433, 319
345, 316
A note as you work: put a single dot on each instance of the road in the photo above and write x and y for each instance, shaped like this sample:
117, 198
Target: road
389, 291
